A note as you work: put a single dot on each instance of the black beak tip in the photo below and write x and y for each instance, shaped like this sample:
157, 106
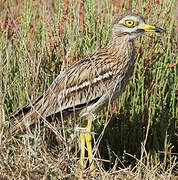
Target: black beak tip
159, 30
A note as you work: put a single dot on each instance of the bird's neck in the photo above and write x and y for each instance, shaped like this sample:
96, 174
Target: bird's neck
121, 46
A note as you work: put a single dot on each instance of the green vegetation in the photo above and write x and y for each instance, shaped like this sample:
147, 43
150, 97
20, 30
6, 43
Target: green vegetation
39, 39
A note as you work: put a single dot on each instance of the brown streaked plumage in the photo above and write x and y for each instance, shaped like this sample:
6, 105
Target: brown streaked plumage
93, 82
86, 84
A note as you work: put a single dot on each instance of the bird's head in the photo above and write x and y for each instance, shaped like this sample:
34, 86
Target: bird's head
131, 25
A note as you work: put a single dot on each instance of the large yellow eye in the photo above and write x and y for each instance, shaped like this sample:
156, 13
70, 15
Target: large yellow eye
129, 23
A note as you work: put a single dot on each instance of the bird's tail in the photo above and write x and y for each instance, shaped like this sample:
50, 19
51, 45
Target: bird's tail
24, 117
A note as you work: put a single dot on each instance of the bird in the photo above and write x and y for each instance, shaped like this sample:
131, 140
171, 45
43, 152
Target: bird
90, 84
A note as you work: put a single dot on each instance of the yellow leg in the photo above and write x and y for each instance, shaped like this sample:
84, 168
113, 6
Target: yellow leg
82, 150
85, 137
88, 139
89, 148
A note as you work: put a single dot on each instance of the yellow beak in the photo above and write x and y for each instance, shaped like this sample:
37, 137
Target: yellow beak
149, 28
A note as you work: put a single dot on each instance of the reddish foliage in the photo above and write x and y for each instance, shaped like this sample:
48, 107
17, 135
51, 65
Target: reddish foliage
139, 53
5, 22
165, 14
82, 24
117, 6
63, 19
61, 28
26, 46
172, 65
149, 58
157, 2
143, 117
78, 56
31, 31
121, 6
65, 60
151, 90
113, 107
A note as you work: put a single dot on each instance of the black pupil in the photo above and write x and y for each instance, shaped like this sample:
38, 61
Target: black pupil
129, 22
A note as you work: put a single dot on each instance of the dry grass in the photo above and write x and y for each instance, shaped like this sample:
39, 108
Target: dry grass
136, 138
